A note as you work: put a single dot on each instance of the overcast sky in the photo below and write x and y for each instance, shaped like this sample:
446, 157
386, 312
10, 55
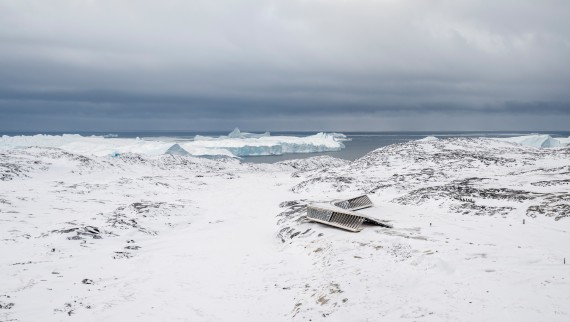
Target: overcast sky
383, 65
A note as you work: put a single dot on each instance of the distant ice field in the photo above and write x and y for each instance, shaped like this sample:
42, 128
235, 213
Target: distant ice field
255, 146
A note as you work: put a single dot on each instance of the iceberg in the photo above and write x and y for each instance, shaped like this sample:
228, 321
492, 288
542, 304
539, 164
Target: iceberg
339, 136
236, 144
538, 141
98, 145
237, 134
564, 141
176, 150
247, 144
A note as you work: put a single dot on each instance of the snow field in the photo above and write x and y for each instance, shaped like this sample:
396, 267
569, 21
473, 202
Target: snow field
139, 237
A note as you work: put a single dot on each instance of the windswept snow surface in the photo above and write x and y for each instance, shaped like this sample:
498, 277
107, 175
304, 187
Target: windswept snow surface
235, 144
481, 230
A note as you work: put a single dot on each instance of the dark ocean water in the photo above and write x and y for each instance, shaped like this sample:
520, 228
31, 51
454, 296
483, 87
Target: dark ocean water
360, 142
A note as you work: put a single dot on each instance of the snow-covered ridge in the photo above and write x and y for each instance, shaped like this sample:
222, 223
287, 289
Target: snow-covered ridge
533, 140
236, 144
428, 139
539, 141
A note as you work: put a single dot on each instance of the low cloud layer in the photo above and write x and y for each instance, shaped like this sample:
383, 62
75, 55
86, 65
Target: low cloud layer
299, 65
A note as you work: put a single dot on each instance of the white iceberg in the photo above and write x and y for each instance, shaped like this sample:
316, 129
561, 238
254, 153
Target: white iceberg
248, 144
237, 134
237, 144
339, 136
176, 150
564, 141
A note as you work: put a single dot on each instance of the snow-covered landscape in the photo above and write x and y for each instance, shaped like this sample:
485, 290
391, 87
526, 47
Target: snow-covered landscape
101, 229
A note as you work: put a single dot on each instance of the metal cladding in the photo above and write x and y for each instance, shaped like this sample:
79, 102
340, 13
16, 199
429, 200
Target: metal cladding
319, 213
341, 215
356, 203
347, 220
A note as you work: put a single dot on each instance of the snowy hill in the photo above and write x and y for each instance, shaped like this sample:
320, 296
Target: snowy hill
174, 237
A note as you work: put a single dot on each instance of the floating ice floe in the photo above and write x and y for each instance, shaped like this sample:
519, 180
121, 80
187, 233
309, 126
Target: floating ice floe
236, 144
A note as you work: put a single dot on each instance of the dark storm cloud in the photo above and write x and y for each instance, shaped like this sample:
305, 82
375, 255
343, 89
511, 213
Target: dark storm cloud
362, 65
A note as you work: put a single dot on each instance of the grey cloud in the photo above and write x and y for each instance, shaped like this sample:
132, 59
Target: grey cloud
153, 63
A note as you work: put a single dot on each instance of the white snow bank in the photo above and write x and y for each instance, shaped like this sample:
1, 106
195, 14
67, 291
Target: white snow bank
538, 141
235, 144
428, 139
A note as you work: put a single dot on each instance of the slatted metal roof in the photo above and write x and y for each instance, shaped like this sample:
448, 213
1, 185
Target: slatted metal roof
341, 214
355, 203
